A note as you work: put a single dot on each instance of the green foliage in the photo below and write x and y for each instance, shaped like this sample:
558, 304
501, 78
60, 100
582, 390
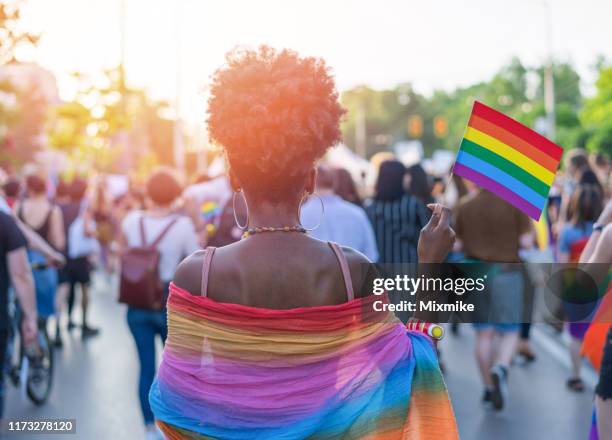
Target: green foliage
105, 121
515, 90
597, 114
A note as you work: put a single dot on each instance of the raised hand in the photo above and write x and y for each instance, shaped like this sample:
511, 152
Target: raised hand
437, 237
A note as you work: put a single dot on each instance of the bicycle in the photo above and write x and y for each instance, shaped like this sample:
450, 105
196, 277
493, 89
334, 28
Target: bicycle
29, 368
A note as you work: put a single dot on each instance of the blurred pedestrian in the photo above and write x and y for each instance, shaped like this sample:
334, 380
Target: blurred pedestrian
14, 269
77, 271
586, 205
598, 253
491, 230
345, 187
45, 218
173, 236
419, 184
12, 191
396, 216
102, 212
336, 219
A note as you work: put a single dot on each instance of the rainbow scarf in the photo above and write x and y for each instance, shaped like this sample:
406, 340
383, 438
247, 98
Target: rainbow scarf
344, 371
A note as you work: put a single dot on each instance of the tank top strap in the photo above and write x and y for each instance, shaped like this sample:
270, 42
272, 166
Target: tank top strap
346, 273
208, 255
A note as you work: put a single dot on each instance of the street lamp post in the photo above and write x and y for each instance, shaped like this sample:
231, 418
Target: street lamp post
549, 82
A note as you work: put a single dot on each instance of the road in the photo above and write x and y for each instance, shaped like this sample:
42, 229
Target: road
96, 384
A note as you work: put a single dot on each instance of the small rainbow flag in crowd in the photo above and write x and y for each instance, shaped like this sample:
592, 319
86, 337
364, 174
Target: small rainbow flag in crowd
508, 159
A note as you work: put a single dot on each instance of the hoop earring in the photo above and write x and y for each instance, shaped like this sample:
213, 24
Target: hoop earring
320, 219
246, 224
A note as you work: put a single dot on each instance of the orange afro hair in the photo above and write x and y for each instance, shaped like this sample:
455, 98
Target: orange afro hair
275, 114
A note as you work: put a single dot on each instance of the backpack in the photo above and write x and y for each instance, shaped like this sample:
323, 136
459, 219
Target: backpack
140, 284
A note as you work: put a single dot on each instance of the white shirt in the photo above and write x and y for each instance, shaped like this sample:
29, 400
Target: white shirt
4, 207
216, 190
179, 242
344, 223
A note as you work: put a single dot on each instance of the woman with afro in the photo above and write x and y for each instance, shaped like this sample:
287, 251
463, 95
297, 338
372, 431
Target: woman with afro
276, 336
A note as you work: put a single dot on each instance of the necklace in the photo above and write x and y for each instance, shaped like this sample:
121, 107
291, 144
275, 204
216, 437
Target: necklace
261, 229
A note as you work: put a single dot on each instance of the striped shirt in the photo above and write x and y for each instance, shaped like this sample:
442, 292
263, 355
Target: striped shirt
397, 225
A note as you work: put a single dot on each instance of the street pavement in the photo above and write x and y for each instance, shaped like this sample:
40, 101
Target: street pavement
96, 384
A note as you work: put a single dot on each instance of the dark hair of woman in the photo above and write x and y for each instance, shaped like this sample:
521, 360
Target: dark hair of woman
78, 188
62, 189
12, 187
588, 177
36, 184
275, 114
344, 186
586, 204
390, 181
163, 188
419, 183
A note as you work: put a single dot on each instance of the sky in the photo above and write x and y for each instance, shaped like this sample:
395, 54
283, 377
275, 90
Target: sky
172, 47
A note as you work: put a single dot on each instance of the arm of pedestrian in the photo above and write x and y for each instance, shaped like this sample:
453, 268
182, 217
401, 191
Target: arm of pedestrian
23, 283
37, 243
58, 235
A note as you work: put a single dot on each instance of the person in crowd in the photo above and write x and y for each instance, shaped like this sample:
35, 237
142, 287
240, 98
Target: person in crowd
479, 217
12, 191
289, 356
586, 205
45, 218
15, 270
205, 201
396, 216
102, 213
345, 187
418, 184
178, 241
337, 220
600, 164
62, 200
599, 250
576, 163
77, 271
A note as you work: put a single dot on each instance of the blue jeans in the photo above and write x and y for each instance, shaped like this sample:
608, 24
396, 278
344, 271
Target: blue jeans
145, 325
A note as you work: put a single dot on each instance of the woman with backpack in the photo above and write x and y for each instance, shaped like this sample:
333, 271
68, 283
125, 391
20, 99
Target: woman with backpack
160, 237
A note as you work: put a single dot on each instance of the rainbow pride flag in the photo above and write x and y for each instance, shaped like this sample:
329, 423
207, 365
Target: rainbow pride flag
341, 371
508, 159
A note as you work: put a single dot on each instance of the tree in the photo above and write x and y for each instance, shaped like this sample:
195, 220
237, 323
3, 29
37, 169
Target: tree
11, 36
110, 127
12, 108
597, 114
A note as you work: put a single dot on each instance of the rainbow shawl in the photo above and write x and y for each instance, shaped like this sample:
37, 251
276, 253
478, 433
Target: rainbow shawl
333, 372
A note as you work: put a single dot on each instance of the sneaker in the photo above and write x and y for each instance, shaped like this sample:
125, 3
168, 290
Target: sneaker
486, 396
71, 325
499, 393
58, 342
87, 331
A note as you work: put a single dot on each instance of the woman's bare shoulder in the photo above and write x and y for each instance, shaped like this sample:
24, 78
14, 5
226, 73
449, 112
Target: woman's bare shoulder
188, 274
361, 269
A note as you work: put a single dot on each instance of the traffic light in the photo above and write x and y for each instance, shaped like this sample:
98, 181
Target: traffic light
440, 126
415, 126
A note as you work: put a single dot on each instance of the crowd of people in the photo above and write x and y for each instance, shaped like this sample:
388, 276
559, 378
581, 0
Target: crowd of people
54, 232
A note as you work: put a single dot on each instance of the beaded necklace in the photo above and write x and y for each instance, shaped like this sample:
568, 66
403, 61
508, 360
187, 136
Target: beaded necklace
261, 229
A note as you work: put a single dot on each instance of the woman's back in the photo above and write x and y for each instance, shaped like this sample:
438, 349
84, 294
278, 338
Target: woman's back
299, 361
276, 271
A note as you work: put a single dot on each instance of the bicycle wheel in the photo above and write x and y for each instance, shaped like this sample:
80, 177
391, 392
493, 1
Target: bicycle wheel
40, 374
